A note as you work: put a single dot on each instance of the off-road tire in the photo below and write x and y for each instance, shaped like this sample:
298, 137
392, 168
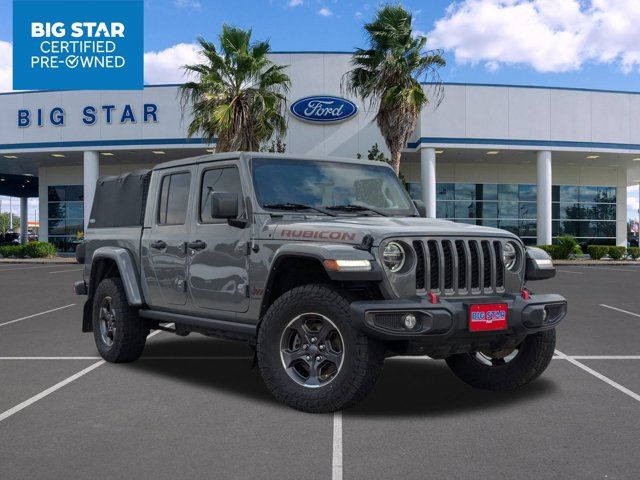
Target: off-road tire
532, 359
363, 356
131, 330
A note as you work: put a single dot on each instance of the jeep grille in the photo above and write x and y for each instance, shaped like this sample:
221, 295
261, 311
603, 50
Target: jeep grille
459, 267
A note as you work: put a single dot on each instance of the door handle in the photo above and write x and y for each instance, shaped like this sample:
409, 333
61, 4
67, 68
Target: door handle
197, 245
159, 245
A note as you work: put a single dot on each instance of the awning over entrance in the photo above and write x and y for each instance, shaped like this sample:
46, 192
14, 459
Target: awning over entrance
18, 185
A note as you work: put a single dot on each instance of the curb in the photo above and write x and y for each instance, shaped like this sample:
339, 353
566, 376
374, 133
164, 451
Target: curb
601, 263
37, 261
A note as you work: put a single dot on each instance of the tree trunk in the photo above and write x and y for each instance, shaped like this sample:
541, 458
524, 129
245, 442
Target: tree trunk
396, 152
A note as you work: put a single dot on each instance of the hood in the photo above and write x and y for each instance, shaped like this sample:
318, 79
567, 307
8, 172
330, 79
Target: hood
353, 229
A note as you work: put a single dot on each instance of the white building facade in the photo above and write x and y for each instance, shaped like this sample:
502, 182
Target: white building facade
540, 162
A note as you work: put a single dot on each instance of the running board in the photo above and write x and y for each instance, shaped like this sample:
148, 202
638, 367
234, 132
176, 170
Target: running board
244, 330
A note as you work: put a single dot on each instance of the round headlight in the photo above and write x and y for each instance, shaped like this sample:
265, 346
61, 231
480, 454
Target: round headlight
510, 256
393, 256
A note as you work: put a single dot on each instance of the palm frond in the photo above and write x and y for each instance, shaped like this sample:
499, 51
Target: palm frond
238, 94
388, 75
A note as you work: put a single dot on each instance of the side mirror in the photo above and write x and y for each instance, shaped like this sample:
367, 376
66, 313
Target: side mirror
224, 205
539, 265
420, 206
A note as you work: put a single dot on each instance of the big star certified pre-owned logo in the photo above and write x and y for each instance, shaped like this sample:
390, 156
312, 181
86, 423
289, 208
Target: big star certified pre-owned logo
323, 109
79, 45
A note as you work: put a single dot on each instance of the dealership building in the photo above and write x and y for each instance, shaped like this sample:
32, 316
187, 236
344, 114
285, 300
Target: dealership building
540, 162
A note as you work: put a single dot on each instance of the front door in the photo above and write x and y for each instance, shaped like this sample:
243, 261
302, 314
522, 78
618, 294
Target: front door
218, 276
166, 240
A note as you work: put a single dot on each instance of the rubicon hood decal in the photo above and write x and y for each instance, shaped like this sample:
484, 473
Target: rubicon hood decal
323, 109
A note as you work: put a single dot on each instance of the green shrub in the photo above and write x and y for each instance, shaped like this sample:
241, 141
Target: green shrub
31, 249
634, 252
616, 253
567, 245
11, 251
596, 252
39, 249
554, 251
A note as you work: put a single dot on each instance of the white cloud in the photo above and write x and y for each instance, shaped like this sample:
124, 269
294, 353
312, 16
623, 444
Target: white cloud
165, 66
188, 4
294, 3
548, 35
325, 12
6, 66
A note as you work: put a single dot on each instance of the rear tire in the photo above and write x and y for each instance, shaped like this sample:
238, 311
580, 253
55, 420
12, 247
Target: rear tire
308, 323
503, 371
119, 332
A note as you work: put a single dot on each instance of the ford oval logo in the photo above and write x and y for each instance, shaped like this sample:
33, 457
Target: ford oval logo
323, 109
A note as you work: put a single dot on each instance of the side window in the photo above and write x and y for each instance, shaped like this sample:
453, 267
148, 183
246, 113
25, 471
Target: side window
174, 198
225, 179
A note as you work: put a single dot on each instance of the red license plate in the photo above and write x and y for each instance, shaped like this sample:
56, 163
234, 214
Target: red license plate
486, 317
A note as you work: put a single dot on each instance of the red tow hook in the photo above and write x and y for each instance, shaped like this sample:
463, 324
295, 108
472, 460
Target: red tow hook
525, 294
433, 298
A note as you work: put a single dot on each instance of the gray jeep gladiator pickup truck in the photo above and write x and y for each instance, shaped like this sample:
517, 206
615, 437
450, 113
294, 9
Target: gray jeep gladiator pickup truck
323, 265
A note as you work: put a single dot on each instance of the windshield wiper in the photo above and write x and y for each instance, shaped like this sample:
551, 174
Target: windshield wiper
297, 206
356, 208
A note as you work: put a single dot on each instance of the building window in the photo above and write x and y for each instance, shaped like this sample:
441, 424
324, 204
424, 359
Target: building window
585, 212
66, 216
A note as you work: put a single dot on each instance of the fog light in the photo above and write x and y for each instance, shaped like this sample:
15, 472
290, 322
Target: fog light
545, 314
410, 321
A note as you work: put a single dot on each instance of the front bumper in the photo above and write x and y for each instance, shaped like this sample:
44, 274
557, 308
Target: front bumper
446, 323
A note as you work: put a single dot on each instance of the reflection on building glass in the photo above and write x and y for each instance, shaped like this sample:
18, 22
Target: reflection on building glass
66, 216
585, 212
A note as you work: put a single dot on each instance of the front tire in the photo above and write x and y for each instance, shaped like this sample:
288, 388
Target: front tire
309, 355
506, 370
119, 332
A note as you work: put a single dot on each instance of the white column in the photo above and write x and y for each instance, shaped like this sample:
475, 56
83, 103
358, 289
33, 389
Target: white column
621, 208
91, 169
428, 179
43, 204
24, 218
544, 198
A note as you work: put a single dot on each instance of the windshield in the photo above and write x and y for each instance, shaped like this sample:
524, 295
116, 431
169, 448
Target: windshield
334, 185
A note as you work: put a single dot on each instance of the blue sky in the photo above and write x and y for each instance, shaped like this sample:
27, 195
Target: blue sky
530, 42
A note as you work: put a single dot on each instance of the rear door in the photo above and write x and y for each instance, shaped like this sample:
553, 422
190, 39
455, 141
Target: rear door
166, 240
218, 276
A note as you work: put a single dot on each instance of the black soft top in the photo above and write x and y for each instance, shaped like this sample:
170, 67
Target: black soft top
120, 201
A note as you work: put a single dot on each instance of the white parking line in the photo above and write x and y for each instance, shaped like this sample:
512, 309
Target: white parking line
70, 270
36, 315
336, 469
619, 310
569, 271
21, 406
598, 375
30, 401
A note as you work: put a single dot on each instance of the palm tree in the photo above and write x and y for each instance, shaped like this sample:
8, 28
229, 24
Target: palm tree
388, 76
238, 94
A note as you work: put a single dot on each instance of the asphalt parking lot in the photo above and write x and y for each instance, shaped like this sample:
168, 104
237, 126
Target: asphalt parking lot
195, 408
